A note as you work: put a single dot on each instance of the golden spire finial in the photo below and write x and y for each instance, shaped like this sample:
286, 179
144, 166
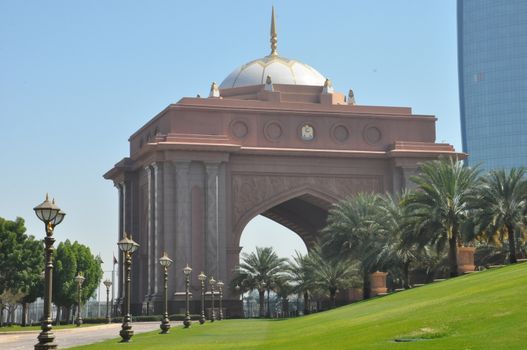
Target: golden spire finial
274, 40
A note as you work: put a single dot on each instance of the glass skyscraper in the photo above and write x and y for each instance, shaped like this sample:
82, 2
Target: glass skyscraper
492, 58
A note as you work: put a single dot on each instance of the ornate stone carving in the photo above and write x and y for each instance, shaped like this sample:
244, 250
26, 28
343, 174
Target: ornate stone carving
340, 133
372, 135
249, 191
273, 131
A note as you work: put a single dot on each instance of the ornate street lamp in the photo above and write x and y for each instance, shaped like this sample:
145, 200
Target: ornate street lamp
128, 246
212, 283
165, 261
51, 215
187, 270
202, 278
220, 291
107, 283
79, 279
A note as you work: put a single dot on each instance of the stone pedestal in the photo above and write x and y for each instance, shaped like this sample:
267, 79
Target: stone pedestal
378, 283
465, 259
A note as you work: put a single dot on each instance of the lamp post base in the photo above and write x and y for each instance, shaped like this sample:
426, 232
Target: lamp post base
186, 321
46, 341
126, 332
46, 338
202, 319
165, 324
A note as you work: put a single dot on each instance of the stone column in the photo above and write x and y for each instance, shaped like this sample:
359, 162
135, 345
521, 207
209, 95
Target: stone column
122, 192
378, 283
149, 230
465, 259
211, 220
157, 224
183, 219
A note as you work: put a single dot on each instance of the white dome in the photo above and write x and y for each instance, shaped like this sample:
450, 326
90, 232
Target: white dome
281, 70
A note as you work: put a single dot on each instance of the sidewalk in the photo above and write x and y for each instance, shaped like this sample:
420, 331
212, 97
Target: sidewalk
70, 337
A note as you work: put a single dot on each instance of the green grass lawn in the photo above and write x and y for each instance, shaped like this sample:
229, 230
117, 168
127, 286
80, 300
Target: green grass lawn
17, 328
486, 310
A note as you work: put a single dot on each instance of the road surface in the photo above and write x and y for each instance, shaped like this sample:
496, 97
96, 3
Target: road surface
70, 337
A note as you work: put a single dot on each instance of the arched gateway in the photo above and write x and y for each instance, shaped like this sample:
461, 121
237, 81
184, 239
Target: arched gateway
273, 139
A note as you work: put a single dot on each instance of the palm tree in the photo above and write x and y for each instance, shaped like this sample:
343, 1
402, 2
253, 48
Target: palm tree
300, 275
441, 204
350, 221
331, 273
352, 232
502, 205
260, 270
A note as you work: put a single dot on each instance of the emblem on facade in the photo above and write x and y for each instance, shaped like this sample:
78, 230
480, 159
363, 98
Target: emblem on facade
307, 132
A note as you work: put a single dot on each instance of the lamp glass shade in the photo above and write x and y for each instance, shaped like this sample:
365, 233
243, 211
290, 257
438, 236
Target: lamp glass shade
212, 281
79, 279
46, 211
58, 218
202, 276
165, 260
187, 270
127, 244
107, 283
135, 246
220, 284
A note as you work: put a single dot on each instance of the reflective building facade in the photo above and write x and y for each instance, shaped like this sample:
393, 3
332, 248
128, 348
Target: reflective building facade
492, 58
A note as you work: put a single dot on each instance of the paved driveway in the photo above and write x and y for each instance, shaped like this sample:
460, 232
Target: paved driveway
70, 337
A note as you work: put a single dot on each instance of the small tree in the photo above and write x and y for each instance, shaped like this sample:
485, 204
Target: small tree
353, 233
331, 273
21, 263
72, 258
260, 270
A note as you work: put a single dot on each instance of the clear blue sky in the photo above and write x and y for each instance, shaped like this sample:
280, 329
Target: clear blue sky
77, 78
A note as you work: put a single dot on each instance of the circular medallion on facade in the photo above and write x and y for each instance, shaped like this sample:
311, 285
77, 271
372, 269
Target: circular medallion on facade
239, 129
307, 132
340, 133
372, 134
273, 131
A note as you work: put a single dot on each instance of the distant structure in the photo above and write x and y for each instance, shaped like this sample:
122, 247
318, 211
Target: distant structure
274, 138
492, 57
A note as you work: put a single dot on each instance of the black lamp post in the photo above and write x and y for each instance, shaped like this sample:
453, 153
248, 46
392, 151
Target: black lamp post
165, 261
51, 215
212, 283
187, 270
128, 246
220, 291
107, 283
79, 279
202, 278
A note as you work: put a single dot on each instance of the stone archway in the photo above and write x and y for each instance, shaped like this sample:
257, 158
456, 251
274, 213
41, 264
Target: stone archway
203, 168
303, 210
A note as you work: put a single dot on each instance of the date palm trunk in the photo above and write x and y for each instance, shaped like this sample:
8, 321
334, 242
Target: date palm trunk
452, 252
406, 272
261, 297
512, 244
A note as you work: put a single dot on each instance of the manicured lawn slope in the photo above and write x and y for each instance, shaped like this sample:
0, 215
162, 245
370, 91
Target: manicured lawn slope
486, 310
